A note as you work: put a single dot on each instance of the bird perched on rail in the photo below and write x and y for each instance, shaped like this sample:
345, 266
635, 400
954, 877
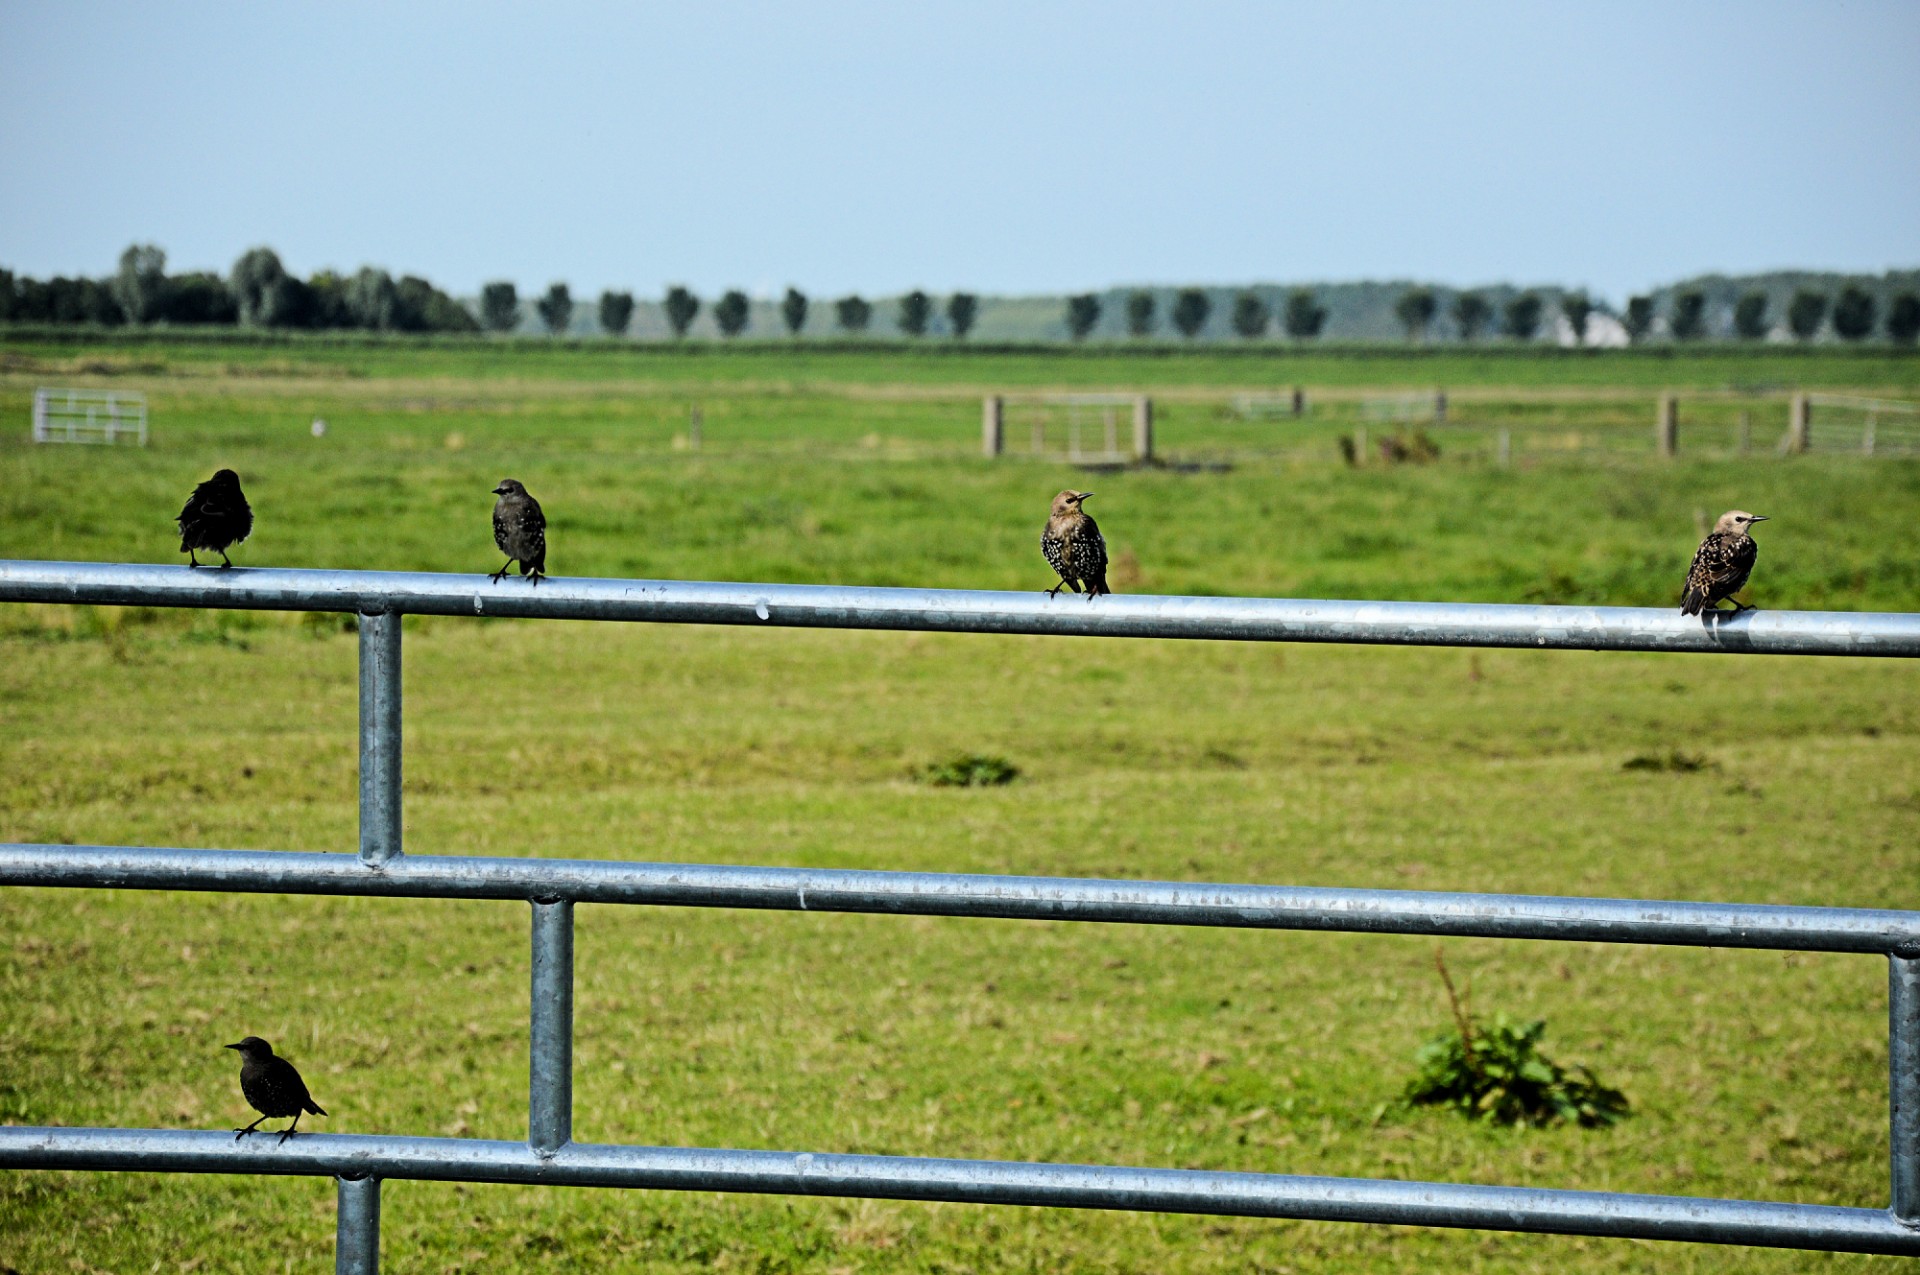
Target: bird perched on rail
1722, 564
272, 1087
1074, 547
520, 529
215, 516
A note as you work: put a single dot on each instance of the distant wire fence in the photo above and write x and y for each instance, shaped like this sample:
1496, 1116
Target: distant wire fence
552, 888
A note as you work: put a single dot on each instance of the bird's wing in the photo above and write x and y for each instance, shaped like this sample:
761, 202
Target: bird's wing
500, 527
1716, 565
1099, 546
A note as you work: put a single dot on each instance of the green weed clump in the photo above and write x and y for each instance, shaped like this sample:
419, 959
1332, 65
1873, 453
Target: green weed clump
1674, 762
1498, 1074
969, 770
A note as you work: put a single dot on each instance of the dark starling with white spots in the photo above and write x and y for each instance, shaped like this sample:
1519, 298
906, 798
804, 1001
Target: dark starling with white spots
215, 516
520, 529
272, 1087
1074, 547
1722, 564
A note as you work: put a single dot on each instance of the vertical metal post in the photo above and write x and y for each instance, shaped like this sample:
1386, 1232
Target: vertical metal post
1746, 432
1903, 1067
550, 1042
695, 419
356, 1238
379, 737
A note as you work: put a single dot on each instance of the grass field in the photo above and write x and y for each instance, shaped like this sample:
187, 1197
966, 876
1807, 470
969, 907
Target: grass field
1751, 1074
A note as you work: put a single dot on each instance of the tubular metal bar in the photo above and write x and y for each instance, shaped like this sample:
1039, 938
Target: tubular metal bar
1512, 916
550, 1043
380, 737
356, 1238
1653, 1217
969, 610
1903, 1059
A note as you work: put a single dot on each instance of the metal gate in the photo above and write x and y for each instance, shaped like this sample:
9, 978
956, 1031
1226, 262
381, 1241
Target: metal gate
553, 887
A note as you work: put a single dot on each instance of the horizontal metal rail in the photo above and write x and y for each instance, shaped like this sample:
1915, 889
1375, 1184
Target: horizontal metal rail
1324, 1199
1268, 907
969, 610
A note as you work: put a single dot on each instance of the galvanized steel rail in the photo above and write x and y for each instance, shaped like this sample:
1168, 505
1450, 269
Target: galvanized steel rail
969, 610
553, 887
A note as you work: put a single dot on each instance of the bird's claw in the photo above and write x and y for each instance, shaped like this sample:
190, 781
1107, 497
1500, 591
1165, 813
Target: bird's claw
284, 1135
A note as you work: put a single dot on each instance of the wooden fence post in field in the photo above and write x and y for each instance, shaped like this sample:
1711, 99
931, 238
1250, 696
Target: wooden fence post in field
693, 428
1799, 425
1142, 429
1667, 432
993, 426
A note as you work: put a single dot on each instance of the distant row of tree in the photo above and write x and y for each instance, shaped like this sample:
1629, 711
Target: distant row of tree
1854, 316
259, 292
1302, 317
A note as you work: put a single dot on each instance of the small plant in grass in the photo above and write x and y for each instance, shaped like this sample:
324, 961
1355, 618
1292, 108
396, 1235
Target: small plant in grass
1675, 762
969, 770
1498, 1074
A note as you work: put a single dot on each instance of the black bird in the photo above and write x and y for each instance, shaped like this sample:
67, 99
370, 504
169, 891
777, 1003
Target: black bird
215, 516
272, 1087
1722, 564
1074, 547
520, 529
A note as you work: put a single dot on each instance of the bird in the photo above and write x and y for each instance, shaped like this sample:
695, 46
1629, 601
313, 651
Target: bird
215, 516
1074, 547
1722, 564
520, 529
272, 1087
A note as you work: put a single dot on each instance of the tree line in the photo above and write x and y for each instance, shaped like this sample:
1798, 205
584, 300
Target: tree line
259, 292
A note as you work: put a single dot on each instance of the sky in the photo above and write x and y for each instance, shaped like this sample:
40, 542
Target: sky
1026, 147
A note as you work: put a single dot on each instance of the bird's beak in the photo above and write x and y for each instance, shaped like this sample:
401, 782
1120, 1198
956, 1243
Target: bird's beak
229, 1046
1760, 518
1086, 495
499, 491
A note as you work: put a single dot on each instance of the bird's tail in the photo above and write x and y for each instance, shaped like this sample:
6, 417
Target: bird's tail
316, 1108
1097, 587
1692, 602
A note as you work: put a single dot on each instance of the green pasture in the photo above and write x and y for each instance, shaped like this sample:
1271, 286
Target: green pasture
1751, 1074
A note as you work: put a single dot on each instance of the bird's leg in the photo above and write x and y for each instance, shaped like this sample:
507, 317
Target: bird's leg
241, 1133
535, 577
1056, 588
288, 1131
502, 571
225, 561
192, 559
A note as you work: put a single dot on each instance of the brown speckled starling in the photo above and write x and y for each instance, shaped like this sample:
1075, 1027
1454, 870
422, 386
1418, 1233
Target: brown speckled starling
272, 1087
215, 516
520, 529
1074, 547
1722, 564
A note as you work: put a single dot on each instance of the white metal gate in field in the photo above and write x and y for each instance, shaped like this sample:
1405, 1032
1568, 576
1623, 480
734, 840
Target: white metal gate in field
89, 416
